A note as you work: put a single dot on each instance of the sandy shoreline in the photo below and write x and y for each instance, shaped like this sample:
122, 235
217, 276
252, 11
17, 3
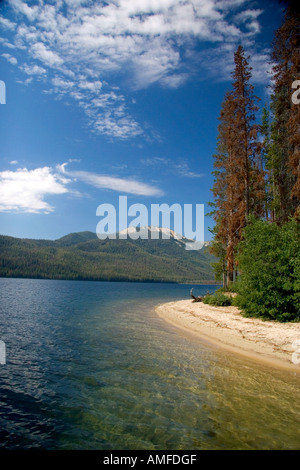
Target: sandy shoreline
269, 341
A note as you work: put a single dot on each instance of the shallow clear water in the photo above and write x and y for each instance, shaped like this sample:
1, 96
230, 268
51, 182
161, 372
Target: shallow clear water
91, 366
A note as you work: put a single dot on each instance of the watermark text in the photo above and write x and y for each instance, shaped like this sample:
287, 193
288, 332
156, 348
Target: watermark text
2, 92
296, 94
296, 353
187, 222
2, 353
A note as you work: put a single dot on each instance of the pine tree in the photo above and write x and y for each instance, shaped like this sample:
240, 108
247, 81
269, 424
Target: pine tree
239, 181
286, 127
269, 157
246, 143
224, 193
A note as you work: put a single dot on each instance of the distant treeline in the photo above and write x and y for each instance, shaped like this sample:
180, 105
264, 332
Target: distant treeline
82, 256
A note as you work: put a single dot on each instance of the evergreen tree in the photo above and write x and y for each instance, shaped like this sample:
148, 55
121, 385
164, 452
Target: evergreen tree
285, 157
270, 159
239, 182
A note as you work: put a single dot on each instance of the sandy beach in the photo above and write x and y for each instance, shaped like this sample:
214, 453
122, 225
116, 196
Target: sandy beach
268, 341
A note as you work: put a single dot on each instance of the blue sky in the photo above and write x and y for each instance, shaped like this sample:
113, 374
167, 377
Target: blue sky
115, 98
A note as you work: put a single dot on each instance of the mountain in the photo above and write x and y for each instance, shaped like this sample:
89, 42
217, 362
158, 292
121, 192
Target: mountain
75, 238
84, 256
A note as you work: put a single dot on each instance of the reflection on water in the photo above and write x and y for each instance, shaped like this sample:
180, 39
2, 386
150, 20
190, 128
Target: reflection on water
91, 366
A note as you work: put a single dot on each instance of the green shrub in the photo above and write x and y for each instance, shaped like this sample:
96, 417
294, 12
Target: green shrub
217, 299
232, 287
269, 264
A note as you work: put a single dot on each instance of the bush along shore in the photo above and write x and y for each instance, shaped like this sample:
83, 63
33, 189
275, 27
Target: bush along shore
269, 284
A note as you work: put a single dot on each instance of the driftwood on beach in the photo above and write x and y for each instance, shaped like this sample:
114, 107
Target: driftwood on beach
196, 299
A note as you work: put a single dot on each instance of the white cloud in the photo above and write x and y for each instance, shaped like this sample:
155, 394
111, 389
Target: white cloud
45, 55
183, 169
249, 19
85, 46
179, 167
155, 64
117, 124
33, 69
25, 190
22, 7
62, 84
122, 185
261, 67
7, 24
248, 15
107, 115
174, 81
12, 60
92, 86
118, 184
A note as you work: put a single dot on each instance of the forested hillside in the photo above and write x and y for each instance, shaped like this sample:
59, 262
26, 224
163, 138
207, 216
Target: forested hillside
83, 256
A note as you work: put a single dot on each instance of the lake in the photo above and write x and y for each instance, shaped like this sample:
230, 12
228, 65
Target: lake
89, 365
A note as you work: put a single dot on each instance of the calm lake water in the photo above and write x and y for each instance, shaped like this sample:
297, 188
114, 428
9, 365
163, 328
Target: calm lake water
89, 365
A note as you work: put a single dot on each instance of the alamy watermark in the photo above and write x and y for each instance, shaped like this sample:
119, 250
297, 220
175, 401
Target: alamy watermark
2, 353
2, 92
296, 353
296, 94
188, 222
